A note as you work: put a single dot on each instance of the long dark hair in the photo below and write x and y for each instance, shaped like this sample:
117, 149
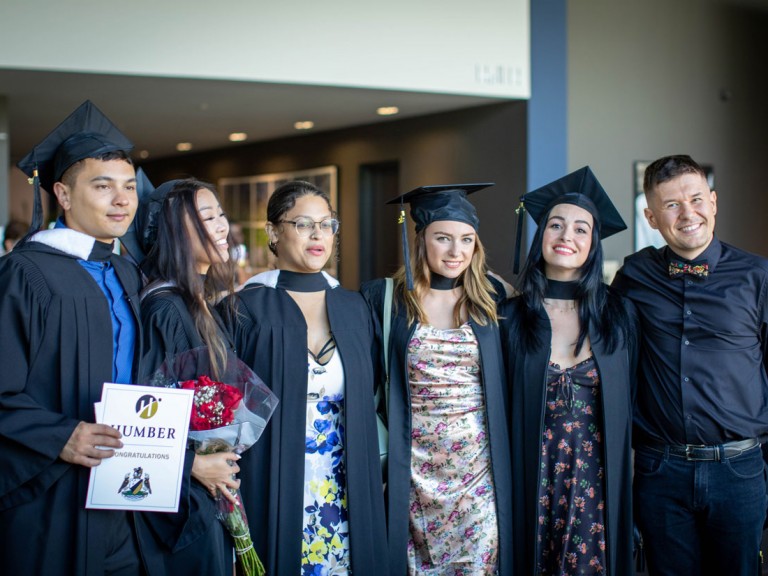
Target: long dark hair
171, 260
597, 305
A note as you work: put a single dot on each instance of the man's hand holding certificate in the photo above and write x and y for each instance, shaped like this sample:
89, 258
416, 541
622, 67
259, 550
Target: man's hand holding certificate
145, 474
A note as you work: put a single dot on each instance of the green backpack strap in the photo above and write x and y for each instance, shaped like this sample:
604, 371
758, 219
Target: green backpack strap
382, 410
387, 322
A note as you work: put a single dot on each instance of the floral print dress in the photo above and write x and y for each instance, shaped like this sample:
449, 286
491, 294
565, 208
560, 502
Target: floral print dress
571, 531
453, 525
325, 545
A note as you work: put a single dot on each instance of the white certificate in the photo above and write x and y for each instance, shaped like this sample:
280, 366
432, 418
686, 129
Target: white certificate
146, 473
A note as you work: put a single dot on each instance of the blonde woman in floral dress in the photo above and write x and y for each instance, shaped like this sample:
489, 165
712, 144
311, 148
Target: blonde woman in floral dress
449, 501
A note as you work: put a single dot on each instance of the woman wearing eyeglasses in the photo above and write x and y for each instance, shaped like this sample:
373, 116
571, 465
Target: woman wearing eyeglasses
314, 496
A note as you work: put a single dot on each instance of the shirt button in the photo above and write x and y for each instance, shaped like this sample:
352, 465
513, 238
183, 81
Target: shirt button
686, 379
686, 342
690, 282
688, 312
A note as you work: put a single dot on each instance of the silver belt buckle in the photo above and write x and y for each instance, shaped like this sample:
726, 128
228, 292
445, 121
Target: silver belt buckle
689, 451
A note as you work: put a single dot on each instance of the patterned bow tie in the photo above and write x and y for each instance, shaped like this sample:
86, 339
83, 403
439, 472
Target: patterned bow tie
700, 269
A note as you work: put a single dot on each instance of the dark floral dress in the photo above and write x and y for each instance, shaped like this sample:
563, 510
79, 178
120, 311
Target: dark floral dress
325, 545
571, 531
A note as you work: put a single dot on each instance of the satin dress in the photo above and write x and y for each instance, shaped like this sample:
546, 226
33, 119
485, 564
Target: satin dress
453, 521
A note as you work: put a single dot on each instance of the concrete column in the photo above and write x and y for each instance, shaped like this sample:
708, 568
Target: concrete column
548, 106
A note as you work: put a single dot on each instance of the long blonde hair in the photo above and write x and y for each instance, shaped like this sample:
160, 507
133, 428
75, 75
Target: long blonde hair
476, 298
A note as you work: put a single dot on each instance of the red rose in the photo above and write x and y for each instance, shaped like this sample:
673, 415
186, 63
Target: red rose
214, 403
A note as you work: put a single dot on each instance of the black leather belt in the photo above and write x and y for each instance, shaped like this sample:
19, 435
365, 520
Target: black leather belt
704, 453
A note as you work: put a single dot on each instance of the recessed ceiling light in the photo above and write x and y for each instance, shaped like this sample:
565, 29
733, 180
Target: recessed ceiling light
184, 146
305, 125
387, 110
144, 154
238, 137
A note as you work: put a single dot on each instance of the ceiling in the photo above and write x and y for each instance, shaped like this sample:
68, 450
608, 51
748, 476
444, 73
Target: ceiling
158, 113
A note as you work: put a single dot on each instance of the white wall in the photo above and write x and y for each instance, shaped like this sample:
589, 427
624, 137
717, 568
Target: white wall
450, 46
649, 78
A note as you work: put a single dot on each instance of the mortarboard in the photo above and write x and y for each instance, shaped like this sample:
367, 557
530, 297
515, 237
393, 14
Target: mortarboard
445, 202
142, 233
580, 188
130, 240
86, 133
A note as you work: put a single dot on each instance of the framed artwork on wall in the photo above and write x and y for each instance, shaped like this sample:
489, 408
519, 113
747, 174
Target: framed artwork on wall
244, 199
644, 234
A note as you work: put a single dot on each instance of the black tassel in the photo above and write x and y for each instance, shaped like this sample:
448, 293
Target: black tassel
518, 236
406, 250
37, 209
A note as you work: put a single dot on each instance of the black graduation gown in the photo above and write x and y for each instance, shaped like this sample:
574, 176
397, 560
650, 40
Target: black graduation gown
526, 374
399, 423
193, 540
270, 335
56, 347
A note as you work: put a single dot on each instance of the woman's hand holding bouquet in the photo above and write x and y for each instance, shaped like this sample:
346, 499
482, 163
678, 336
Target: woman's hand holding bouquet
227, 419
217, 473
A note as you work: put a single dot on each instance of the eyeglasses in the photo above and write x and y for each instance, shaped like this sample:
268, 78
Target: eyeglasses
305, 226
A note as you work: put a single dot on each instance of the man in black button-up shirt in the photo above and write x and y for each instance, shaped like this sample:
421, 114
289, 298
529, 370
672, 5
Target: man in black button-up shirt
704, 311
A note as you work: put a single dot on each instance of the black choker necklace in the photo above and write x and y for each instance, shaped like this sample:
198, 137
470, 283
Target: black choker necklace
300, 282
440, 282
558, 290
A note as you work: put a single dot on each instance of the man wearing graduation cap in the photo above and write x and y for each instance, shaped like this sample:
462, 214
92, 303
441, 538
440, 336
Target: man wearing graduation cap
569, 343
68, 323
702, 397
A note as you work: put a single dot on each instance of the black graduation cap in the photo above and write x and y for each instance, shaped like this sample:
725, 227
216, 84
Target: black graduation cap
142, 233
85, 133
130, 240
580, 188
439, 203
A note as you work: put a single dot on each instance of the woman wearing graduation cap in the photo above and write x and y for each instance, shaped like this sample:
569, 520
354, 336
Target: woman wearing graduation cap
449, 495
569, 346
312, 484
180, 238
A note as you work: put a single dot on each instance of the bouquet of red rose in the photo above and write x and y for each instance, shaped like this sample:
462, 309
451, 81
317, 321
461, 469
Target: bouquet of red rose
225, 418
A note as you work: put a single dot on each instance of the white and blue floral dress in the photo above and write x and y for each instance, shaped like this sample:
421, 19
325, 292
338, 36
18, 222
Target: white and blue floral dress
325, 545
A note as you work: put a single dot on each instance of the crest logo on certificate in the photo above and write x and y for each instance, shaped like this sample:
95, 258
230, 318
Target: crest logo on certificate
146, 473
